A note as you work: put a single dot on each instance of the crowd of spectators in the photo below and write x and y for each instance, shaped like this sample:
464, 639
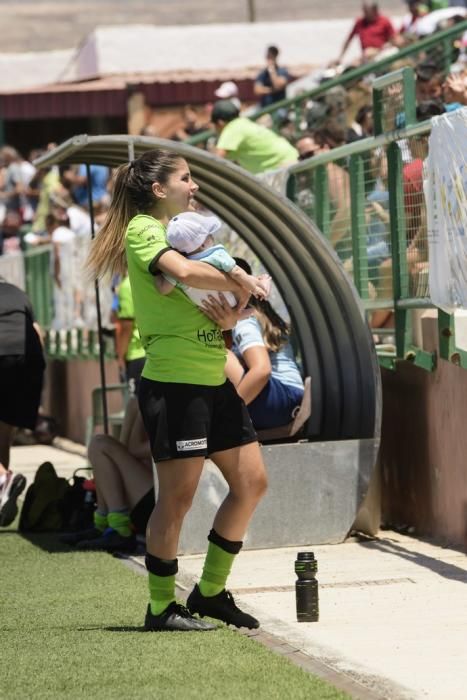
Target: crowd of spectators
51, 206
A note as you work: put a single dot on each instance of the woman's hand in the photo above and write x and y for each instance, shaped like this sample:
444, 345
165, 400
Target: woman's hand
222, 313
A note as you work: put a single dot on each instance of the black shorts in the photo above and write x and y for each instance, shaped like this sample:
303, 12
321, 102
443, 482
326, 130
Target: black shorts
192, 420
20, 389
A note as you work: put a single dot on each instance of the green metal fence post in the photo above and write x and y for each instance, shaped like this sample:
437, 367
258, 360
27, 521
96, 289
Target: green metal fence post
398, 246
291, 187
358, 224
447, 49
39, 283
378, 107
447, 340
400, 273
408, 86
321, 191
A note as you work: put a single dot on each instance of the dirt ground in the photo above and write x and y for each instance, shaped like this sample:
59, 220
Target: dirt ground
42, 25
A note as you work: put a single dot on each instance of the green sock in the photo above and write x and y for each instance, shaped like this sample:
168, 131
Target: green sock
217, 566
161, 592
100, 520
120, 522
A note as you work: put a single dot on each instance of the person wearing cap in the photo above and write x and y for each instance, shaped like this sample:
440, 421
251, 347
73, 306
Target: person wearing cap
228, 91
192, 234
271, 82
254, 147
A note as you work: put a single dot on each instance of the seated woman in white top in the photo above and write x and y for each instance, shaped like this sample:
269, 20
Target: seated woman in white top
263, 368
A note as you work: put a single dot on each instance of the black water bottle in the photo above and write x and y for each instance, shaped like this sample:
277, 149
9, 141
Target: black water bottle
306, 587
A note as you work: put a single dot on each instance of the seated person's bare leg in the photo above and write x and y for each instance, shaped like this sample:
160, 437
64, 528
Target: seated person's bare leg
121, 480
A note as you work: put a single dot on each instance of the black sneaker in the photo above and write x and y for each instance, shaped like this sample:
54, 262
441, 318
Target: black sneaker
91, 533
109, 541
176, 618
11, 489
221, 607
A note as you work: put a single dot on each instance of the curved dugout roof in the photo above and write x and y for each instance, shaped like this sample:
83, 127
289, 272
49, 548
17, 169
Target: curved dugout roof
328, 319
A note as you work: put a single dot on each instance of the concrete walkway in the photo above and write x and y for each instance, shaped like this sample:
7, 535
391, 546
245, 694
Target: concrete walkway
393, 611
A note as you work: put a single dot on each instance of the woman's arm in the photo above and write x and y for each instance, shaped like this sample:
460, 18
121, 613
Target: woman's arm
122, 341
257, 374
38, 330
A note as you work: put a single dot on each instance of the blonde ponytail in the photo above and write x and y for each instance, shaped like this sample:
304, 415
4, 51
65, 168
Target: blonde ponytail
107, 254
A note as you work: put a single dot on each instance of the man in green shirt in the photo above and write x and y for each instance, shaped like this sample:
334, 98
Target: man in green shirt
252, 146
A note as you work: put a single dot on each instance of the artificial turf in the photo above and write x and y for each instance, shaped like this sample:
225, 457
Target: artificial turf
71, 627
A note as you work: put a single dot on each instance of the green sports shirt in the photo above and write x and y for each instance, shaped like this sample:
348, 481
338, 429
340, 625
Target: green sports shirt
182, 345
126, 311
255, 147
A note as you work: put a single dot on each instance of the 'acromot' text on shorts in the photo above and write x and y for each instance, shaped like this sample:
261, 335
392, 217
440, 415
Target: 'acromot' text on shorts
192, 445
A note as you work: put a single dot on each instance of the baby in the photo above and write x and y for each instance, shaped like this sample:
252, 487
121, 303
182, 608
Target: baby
192, 234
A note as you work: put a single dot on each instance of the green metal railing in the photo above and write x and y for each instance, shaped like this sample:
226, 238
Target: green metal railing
437, 47
59, 344
367, 198
39, 282
76, 343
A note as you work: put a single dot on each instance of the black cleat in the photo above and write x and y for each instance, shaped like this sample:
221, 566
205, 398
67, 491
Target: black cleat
176, 618
221, 607
109, 541
91, 533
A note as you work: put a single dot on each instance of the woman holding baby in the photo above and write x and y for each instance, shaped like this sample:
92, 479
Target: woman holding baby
190, 410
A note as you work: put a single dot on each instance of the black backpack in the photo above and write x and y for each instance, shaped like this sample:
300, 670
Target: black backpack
54, 504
